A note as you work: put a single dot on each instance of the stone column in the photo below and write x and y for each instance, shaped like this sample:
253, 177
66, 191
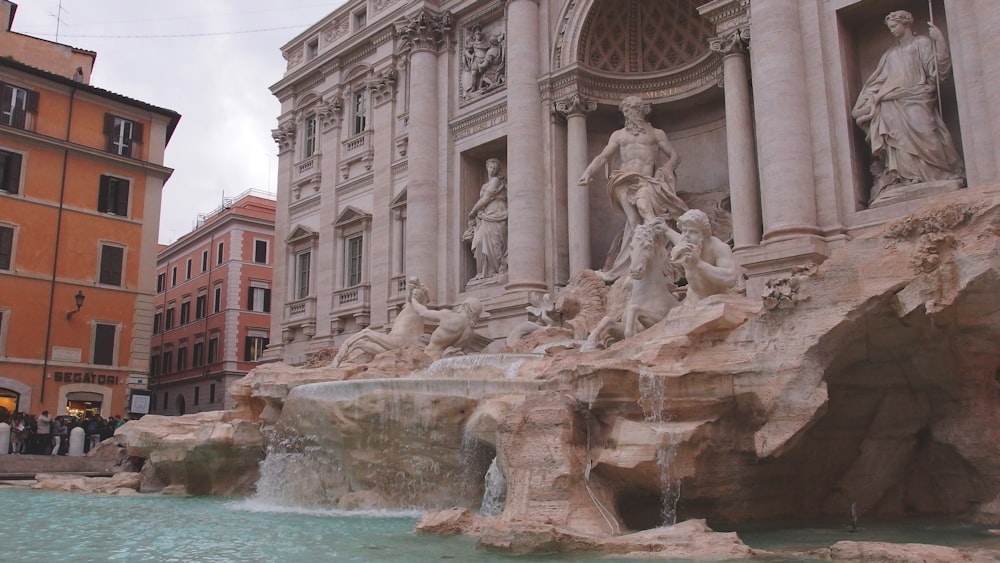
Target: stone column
744, 190
398, 267
526, 178
423, 35
784, 138
575, 109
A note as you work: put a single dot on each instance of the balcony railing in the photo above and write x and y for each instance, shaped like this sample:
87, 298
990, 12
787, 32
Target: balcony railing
357, 144
352, 300
300, 310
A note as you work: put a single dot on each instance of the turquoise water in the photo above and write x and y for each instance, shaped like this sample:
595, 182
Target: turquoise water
41, 526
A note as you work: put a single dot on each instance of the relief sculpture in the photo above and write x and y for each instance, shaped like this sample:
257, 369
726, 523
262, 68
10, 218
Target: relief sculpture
484, 61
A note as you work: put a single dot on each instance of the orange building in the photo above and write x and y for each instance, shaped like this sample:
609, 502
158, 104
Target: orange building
81, 175
213, 305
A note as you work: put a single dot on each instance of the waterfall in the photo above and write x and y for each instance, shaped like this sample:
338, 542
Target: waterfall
670, 488
652, 396
494, 492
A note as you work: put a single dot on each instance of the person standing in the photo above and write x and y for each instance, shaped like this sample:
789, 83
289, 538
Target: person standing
58, 430
43, 436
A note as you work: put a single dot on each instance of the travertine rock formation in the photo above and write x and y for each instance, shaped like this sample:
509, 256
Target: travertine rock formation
879, 390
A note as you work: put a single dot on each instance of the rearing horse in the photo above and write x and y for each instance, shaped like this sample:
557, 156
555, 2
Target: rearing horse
651, 280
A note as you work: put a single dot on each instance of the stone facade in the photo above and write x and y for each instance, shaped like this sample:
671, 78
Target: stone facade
391, 110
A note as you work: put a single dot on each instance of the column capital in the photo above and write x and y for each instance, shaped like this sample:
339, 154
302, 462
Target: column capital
425, 31
735, 41
284, 135
575, 104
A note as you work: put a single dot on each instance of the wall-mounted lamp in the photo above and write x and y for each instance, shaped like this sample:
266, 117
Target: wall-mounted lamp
79, 297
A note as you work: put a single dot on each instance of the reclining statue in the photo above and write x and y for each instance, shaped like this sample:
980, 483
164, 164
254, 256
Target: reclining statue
407, 330
455, 326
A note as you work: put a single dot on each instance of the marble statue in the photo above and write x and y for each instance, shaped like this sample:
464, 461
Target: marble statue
651, 282
708, 263
897, 108
407, 330
455, 326
483, 60
487, 227
644, 186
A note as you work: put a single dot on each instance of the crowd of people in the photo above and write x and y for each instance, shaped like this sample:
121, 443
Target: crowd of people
49, 435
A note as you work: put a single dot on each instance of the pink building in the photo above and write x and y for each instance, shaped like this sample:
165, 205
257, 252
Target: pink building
212, 309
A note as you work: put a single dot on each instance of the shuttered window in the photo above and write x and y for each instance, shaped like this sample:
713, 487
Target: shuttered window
6, 247
122, 135
253, 348
112, 258
10, 172
112, 196
259, 299
16, 104
104, 344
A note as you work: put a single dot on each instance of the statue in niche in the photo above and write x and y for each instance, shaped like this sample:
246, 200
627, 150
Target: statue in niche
644, 186
407, 330
709, 266
483, 61
487, 227
897, 109
455, 326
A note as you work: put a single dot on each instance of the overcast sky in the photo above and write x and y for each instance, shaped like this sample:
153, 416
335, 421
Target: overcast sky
212, 61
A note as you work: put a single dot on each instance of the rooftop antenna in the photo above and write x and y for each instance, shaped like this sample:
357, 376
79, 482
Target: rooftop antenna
58, 17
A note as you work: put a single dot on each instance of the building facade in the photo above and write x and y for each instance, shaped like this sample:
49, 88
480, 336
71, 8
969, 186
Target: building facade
391, 111
212, 318
81, 174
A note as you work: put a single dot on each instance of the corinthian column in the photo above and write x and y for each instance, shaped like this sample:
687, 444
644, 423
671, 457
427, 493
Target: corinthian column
423, 35
744, 191
526, 179
576, 108
784, 139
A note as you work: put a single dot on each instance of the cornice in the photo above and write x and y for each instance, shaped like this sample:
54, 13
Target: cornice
479, 121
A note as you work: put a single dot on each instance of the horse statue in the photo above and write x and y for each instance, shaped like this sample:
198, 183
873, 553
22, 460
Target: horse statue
650, 282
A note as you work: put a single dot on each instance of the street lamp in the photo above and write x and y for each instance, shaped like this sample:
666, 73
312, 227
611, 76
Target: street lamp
79, 297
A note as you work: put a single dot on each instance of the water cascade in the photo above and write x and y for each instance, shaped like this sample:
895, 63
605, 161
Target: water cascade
495, 491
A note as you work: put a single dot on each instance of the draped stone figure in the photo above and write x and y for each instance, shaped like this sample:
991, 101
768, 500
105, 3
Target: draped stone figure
898, 111
487, 228
644, 186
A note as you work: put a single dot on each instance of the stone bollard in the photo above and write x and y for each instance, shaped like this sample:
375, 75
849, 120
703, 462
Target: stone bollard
4, 438
76, 438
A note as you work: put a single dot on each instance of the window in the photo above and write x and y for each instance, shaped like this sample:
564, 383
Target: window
358, 110
302, 275
112, 197
154, 365
6, 247
211, 393
15, 105
309, 136
254, 348
198, 354
312, 49
187, 270
165, 405
196, 394
218, 253
182, 358
259, 300
168, 361
185, 313
112, 258
360, 20
157, 322
354, 255
173, 276
170, 318
10, 172
218, 298
161, 282
260, 251
104, 344
204, 261
122, 135
213, 349
200, 306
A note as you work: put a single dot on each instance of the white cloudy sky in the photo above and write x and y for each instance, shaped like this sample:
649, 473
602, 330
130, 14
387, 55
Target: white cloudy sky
208, 60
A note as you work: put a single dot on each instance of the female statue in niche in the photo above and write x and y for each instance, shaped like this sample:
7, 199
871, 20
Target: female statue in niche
487, 228
897, 109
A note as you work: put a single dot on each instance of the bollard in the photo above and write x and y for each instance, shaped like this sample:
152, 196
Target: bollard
76, 438
4, 438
